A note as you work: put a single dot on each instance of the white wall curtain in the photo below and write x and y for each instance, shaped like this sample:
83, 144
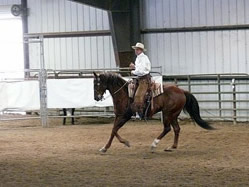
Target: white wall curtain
11, 44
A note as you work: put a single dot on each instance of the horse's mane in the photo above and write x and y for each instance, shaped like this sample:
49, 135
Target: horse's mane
114, 79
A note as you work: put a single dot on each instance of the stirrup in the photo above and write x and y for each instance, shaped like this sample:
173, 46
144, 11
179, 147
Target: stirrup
141, 116
136, 116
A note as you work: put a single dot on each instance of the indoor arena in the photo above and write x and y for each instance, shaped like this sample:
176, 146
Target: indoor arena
124, 93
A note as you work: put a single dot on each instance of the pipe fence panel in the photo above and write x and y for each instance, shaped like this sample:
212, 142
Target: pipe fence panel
221, 96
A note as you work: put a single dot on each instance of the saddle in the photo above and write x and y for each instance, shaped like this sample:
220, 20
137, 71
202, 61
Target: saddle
154, 90
141, 93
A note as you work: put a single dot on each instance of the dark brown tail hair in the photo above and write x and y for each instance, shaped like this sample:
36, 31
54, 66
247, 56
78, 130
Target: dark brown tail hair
192, 107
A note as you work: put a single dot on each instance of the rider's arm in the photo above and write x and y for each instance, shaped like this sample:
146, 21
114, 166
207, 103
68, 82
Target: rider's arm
148, 64
132, 66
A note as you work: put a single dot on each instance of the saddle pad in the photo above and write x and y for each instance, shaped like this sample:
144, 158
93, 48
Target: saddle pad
156, 87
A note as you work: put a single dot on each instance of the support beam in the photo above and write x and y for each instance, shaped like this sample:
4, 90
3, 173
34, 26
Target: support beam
124, 19
125, 29
70, 34
110, 5
25, 31
104, 4
196, 29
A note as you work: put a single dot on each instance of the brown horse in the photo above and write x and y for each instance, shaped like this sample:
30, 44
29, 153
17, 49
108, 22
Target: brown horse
171, 103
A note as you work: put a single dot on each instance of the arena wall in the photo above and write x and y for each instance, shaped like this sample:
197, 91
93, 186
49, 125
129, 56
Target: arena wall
9, 2
217, 51
48, 16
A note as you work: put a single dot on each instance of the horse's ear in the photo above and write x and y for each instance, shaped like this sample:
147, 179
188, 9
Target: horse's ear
95, 74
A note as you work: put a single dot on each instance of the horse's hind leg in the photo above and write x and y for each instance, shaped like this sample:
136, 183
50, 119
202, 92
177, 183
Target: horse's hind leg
177, 129
166, 129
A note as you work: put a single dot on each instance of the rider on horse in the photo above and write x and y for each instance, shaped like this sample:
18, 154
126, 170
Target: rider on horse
141, 69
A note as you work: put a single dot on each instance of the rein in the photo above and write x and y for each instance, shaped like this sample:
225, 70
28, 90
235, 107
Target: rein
116, 90
120, 88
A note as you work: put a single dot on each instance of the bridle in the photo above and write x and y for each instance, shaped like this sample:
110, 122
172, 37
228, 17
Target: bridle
98, 85
118, 90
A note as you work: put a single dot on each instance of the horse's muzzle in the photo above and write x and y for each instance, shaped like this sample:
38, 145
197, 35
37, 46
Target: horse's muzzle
98, 97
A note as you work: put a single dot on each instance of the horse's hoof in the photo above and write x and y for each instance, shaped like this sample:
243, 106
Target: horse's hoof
154, 145
169, 149
103, 150
152, 149
127, 144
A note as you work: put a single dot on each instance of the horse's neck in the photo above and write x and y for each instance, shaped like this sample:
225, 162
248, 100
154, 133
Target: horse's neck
118, 91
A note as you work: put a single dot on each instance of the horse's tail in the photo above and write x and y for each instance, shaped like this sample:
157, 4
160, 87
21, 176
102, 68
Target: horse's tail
192, 107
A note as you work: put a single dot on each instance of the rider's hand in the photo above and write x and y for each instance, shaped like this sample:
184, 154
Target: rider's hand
132, 66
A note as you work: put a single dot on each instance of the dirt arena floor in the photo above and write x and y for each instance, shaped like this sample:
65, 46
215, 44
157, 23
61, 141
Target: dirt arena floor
68, 155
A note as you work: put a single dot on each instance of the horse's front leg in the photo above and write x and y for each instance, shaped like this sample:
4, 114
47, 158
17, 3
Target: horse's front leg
122, 140
118, 123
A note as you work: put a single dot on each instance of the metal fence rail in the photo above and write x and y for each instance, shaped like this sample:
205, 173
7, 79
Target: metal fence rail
43, 74
221, 96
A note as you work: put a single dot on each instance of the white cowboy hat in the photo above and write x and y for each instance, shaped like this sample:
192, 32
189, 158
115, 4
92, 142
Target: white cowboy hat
139, 45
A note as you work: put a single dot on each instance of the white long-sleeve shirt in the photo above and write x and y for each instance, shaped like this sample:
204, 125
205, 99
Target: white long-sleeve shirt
142, 65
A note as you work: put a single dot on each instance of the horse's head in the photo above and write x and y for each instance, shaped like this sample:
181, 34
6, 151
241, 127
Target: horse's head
100, 86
